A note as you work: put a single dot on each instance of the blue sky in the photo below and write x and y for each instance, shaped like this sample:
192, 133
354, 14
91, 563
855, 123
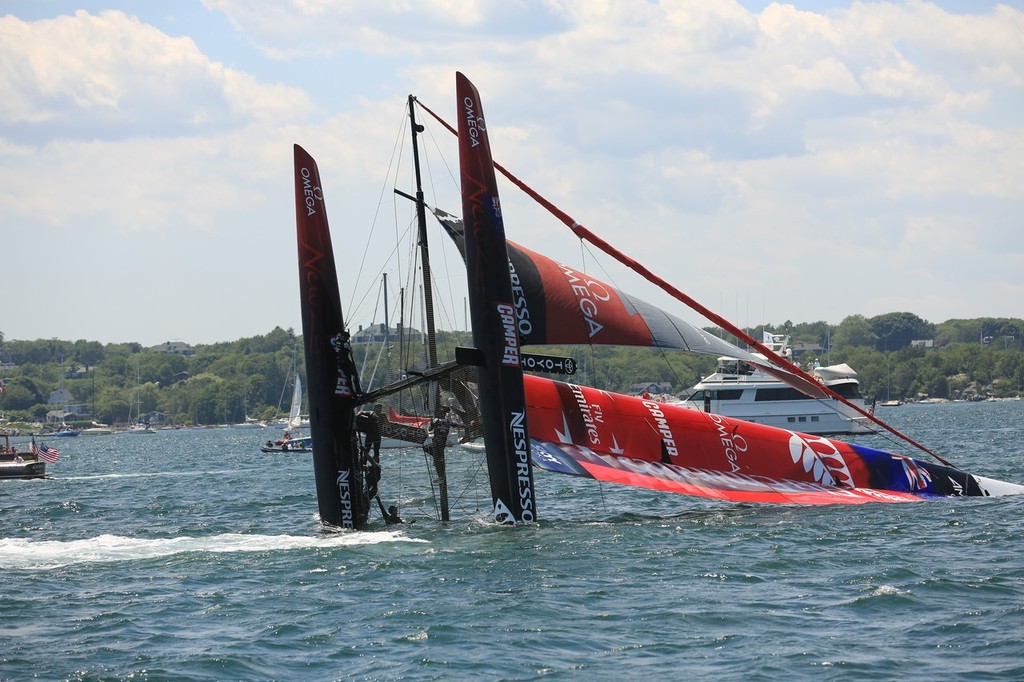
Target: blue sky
776, 162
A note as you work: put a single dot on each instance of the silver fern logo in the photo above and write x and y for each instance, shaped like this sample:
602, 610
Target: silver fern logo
821, 459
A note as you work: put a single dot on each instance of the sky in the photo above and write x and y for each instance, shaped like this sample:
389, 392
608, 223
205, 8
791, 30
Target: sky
799, 162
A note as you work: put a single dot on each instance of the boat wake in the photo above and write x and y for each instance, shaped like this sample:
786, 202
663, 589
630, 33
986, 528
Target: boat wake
19, 553
152, 474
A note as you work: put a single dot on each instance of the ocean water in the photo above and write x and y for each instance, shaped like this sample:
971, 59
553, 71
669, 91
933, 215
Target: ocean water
190, 555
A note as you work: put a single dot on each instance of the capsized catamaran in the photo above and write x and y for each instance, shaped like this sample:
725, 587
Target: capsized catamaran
557, 426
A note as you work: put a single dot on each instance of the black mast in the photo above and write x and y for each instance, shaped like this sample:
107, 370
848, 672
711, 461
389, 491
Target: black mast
437, 445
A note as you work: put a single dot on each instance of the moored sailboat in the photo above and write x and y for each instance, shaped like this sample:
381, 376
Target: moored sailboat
529, 420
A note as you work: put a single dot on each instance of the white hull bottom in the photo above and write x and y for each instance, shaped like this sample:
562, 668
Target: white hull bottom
997, 488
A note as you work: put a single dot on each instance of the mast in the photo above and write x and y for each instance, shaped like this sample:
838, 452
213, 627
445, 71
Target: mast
387, 334
495, 331
438, 444
332, 380
421, 221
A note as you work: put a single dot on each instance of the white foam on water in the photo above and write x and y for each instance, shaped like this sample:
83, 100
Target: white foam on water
18, 553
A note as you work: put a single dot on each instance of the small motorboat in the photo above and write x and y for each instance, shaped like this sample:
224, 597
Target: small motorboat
17, 464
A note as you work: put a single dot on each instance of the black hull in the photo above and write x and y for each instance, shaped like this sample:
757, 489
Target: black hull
23, 471
285, 451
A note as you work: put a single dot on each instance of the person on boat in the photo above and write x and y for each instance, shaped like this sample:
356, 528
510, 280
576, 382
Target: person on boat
437, 433
373, 472
390, 514
342, 345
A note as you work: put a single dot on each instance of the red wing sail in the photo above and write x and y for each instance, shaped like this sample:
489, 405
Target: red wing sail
623, 439
331, 377
500, 377
557, 304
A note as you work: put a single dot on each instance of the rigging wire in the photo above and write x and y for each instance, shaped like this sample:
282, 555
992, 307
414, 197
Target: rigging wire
392, 163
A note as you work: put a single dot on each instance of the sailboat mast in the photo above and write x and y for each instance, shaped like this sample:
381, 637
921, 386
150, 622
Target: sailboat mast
421, 221
387, 333
434, 392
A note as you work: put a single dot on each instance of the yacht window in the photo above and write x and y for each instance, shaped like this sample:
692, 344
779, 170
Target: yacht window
848, 391
787, 393
729, 394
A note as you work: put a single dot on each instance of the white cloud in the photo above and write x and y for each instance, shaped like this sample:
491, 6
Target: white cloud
112, 75
736, 152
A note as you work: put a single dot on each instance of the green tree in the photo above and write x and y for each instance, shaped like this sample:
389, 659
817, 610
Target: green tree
897, 330
853, 331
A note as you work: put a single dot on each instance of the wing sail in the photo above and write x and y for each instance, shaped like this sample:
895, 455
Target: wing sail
623, 439
557, 304
332, 380
500, 377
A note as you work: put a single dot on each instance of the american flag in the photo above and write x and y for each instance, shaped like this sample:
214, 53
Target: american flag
48, 454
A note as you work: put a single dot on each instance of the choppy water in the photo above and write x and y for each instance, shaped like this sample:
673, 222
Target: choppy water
191, 555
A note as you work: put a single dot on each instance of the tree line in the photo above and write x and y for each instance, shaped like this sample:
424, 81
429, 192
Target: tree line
897, 355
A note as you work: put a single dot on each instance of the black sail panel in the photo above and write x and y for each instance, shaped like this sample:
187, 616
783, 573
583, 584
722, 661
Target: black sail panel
495, 333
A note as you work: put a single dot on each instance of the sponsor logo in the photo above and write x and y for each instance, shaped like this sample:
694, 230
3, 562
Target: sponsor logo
661, 426
311, 271
508, 321
345, 497
313, 194
589, 294
502, 514
519, 300
821, 459
517, 427
549, 363
474, 120
589, 418
733, 444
